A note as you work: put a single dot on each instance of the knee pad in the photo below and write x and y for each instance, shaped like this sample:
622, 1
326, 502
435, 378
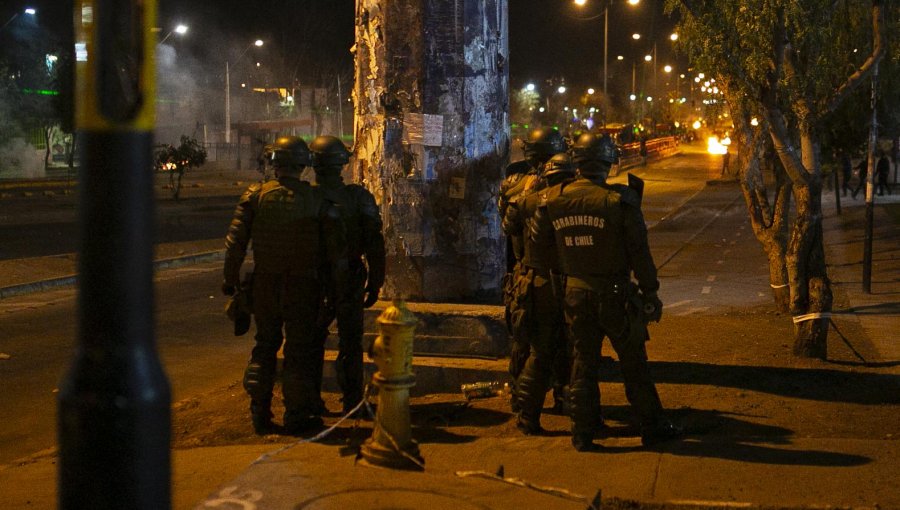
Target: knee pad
257, 382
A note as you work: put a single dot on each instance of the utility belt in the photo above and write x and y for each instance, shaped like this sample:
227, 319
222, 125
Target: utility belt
304, 273
600, 284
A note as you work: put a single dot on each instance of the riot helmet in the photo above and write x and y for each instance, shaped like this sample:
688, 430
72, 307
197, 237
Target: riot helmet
543, 143
329, 151
593, 148
289, 152
560, 165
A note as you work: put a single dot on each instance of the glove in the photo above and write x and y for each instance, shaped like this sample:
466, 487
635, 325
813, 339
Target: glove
371, 297
652, 307
228, 289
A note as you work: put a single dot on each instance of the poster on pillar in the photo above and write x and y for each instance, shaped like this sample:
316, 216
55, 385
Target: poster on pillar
423, 129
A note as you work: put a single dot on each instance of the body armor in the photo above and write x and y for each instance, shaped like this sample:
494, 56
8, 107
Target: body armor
587, 224
294, 231
601, 238
361, 218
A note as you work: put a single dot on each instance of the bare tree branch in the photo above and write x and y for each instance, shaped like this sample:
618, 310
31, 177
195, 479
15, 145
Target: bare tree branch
878, 50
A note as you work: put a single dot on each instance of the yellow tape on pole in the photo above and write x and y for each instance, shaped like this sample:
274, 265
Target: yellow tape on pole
115, 68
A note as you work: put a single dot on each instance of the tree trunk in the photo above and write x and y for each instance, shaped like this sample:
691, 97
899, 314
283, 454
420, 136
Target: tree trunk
769, 221
811, 296
47, 132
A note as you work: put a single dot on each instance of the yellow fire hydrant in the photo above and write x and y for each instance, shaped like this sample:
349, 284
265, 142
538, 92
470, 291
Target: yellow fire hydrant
391, 444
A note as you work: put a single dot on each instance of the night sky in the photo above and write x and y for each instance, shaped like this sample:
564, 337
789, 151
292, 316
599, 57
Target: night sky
549, 39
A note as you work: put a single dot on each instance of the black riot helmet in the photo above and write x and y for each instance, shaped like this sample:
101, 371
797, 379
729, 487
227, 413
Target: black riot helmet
559, 166
543, 143
289, 152
329, 151
591, 148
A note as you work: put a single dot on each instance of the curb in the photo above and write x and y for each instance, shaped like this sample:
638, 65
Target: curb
70, 280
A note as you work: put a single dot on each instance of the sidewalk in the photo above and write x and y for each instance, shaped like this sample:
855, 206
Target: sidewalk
763, 428
761, 442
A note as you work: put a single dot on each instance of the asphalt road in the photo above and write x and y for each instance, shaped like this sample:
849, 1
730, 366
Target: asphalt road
691, 224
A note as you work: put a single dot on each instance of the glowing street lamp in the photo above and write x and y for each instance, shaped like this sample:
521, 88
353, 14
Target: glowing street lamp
530, 87
561, 89
180, 30
606, 40
590, 91
258, 43
28, 10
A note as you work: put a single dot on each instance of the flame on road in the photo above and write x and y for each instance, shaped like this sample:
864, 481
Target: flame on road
713, 146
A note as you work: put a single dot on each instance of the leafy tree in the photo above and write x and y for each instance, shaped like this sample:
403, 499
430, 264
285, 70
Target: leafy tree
523, 105
791, 64
177, 160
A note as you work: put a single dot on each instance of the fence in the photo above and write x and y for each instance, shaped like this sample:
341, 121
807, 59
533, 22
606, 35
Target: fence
654, 149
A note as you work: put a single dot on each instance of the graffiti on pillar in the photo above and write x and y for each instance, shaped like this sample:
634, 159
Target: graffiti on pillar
431, 124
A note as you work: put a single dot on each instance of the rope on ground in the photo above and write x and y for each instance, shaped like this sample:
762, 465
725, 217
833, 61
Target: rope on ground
592, 504
811, 316
857, 354
317, 437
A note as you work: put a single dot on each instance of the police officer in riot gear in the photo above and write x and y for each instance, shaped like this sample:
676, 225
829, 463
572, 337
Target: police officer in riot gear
365, 249
294, 231
601, 241
521, 176
539, 292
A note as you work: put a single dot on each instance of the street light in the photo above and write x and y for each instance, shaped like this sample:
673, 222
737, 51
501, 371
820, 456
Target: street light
258, 43
28, 10
180, 30
606, 40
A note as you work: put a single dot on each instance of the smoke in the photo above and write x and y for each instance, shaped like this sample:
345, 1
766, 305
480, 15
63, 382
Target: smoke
182, 99
19, 160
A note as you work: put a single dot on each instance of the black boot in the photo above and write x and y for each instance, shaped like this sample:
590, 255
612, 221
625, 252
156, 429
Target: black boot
297, 422
261, 416
584, 443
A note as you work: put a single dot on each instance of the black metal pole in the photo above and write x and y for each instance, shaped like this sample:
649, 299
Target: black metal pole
870, 189
114, 403
837, 191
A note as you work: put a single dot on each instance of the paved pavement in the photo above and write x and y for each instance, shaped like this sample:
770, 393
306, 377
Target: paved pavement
545, 472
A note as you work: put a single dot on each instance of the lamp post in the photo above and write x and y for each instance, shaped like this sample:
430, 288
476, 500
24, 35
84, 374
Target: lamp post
605, 36
180, 30
257, 43
29, 11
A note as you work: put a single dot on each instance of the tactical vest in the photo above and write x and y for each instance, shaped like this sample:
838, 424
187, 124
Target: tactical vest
511, 188
285, 229
588, 226
358, 212
538, 255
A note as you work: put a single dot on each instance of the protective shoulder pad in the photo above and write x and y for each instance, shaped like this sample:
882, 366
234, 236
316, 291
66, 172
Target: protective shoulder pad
517, 167
365, 200
250, 193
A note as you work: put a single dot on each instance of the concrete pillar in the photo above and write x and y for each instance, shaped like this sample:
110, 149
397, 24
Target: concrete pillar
432, 139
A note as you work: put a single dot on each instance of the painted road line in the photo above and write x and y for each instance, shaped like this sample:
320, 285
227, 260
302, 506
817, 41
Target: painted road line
706, 290
679, 303
711, 278
691, 311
